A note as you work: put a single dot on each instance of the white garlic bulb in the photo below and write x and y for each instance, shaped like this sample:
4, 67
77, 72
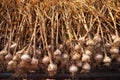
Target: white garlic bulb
73, 68
45, 60
34, 61
85, 57
76, 56
88, 52
25, 57
98, 57
97, 38
107, 59
86, 66
90, 42
10, 63
79, 63
8, 56
114, 50
52, 67
57, 52
65, 56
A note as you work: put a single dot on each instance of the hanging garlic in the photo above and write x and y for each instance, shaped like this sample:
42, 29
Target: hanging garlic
76, 56
8, 56
88, 52
45, 59
85, 58
107, 60
34, 61
77, 47
73, 69
10, 63
79, 63
25, 57
114, 50
90, 42
118, 58
65, 56
52, 67
57, 52
86, 66
3, 52
117, 39
98, 57
97, 38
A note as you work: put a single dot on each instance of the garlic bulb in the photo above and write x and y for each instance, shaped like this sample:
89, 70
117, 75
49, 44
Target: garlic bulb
113, 36
25, 57
118, 59
86, 66
77, 47
57, 52
79, 63
85, 57
90, 42
38, 52
97, 38
88, 52
98, 57
82, 39
76, 56
34, 61
3, 52
65, 56
107, 59
117, 39
8, 56
73, 68
45, 60
52, 67
16, 57
10, 63
114, 50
